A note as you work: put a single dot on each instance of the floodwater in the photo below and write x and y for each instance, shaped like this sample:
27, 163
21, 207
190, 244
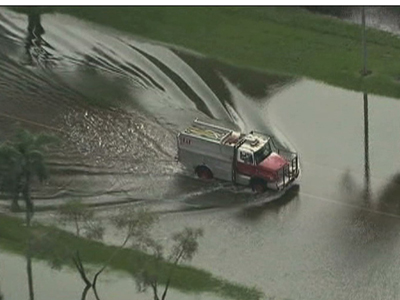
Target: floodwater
126, 153
68, 285
328, 241
335, 236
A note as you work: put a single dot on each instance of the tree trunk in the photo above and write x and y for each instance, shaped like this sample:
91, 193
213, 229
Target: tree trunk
84, 292
77, 227
17, 190
29, 269
155, 292
26, 193
14, 204
28, 215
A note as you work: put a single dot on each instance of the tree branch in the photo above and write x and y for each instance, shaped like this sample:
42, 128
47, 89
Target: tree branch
154, 286
79, 266
84, 292
106, 265
171, 273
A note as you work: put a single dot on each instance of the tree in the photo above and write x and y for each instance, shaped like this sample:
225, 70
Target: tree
184, 248
21, 160
136, 222
82, 217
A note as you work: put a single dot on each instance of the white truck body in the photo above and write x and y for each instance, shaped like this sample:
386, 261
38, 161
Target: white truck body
235, 156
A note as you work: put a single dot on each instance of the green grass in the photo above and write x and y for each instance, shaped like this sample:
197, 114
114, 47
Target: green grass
283, 40
13, 237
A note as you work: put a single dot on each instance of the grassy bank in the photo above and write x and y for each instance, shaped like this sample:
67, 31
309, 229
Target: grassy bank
13, 237
284, 40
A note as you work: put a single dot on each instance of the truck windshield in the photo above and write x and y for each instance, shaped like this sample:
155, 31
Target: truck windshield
262, 153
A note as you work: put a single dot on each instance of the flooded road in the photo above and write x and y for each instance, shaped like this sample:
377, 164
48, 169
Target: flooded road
327, 239
62, 77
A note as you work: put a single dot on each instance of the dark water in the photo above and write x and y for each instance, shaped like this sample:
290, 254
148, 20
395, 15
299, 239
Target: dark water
323, 240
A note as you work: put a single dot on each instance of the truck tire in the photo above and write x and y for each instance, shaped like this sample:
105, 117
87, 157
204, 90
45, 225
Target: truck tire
258, 185
204, 173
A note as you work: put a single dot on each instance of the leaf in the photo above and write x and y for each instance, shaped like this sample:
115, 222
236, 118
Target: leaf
23, 141
135, 220
8, 154
45, 139
94, 231
186, 244
37, 165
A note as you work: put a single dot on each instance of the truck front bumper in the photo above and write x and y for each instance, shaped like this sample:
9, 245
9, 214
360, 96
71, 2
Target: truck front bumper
284, 182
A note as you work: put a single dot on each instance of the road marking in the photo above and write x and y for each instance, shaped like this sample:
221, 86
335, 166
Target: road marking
351, 205
32, 122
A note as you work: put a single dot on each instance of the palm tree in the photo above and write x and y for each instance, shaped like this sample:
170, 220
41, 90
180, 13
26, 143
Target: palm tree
21, 160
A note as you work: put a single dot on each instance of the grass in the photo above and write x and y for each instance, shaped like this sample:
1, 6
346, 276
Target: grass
13, 237
282, 40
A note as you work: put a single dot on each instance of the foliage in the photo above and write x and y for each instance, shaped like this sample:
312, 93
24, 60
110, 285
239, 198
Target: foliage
13, 235
184, 248
82, 217
135, 222
22, 159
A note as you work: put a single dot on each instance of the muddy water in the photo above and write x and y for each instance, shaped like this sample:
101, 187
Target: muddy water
56, 69
327, 239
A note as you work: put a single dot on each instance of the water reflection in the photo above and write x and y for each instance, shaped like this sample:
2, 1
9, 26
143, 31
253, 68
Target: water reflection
29, 270
380, 213
255, 212
366, 150
368, 244
35, 46
389, 197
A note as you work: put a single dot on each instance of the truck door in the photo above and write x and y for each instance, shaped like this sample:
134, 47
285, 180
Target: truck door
245, 163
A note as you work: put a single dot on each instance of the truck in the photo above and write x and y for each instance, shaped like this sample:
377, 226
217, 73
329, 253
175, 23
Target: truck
251, 159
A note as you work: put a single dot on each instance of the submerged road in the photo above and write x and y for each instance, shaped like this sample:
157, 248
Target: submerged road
328, 239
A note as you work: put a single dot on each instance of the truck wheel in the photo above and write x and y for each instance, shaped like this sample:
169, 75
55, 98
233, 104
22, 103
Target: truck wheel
258, 185
204, 172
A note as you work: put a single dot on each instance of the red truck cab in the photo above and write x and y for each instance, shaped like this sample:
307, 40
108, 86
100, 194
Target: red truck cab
257, 157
